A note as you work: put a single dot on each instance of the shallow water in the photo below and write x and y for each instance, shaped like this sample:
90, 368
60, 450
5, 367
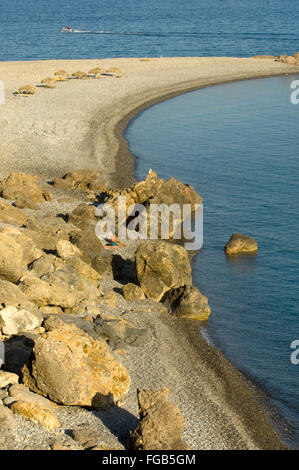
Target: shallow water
32, 29
237, 144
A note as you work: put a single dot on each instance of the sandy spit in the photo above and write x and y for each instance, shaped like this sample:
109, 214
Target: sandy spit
80, 124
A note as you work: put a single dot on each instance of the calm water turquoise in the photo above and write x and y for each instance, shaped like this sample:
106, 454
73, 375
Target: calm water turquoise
237, 144
31, 29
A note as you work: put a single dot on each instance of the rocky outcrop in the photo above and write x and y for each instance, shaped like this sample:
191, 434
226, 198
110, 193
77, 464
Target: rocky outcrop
154, 190
160, 267
24, 187
71, 368
80, 179
240, 244
161, 423
289, 59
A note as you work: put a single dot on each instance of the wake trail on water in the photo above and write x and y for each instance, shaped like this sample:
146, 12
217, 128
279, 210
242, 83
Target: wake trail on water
190, 34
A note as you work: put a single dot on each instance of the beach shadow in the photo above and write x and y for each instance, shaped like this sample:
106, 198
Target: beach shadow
123, 269
119, 422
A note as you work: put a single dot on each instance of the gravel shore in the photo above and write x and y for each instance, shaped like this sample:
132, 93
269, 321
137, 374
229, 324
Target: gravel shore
80, 124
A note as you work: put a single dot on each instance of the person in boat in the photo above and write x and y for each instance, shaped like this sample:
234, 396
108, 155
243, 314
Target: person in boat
69, 28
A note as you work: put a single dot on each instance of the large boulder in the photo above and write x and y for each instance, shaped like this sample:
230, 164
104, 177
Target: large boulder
193, 304
16, 252
161, 423
240, 244
22, 186
71, 368
160, 267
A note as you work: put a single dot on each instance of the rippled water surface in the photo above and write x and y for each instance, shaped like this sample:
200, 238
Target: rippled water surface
135, 28
237, 144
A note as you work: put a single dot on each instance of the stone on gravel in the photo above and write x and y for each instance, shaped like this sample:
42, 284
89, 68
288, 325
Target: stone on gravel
132, 292
71, 368
161, 423
36, 413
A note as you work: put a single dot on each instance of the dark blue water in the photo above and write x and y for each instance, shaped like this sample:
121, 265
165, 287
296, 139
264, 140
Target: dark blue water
237, 144
31, 29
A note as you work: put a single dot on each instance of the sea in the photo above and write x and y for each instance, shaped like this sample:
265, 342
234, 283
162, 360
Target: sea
236, 143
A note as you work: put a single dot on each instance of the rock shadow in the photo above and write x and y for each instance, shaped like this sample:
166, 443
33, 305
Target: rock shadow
123, 269
120, 422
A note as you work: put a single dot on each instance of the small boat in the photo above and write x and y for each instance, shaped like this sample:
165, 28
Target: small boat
68, 30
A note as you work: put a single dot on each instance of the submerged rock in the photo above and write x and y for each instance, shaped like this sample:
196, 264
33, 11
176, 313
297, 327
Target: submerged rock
239, 244
161, 423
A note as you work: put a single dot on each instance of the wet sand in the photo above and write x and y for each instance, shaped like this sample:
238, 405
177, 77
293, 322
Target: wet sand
79, 125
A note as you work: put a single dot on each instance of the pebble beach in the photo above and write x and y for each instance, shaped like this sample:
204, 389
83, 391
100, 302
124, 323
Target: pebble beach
79, 125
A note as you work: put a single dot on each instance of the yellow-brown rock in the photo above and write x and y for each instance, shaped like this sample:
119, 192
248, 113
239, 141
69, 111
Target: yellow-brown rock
132, 292
20, 185
240, 244
37, 413
71, 368
160, 267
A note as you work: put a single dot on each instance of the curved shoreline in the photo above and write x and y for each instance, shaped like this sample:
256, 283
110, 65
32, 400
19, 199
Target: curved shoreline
102, 145
115, 126
260, 418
